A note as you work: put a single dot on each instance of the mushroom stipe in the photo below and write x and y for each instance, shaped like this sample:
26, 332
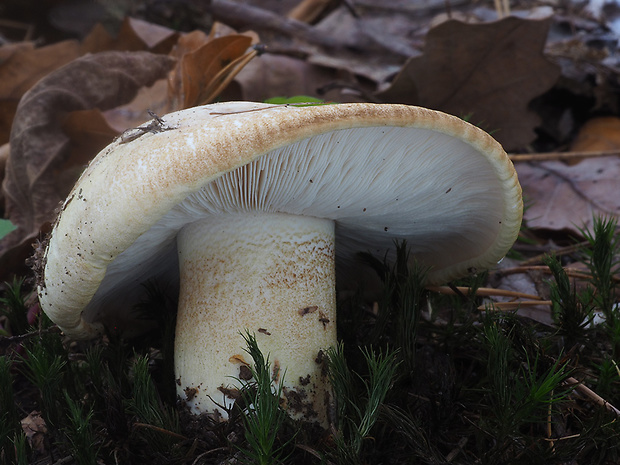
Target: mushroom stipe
222, 210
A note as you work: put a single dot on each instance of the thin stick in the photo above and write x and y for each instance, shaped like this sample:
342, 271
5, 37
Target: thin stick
498, 8
563, 438
589, 393
160, 430
458, 449
6, 341
557, 252
571, 272
547, 156
209, 452
506, 7
549, 423
502, 7
483, 292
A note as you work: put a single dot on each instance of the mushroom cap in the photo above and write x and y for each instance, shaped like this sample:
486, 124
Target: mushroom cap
381, 172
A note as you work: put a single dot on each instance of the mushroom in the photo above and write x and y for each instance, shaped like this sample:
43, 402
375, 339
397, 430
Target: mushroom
252, 209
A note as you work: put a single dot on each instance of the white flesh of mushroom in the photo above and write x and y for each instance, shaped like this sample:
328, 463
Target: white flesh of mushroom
272, 274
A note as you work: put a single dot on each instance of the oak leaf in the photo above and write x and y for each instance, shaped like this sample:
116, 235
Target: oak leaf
487, 73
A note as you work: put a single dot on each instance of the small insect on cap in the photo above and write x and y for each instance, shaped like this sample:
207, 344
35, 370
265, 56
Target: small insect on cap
251, 209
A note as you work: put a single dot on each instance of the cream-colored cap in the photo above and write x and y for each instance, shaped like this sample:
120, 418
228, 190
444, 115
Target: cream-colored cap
380, 172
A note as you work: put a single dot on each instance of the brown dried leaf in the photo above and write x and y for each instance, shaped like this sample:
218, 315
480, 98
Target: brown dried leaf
158, 39
40, 172
22, 65
488, 72
598, 134
162, 97
134, 35
371, 45
89, 132
201, 68
189, 42
35, 429
134, 113
562, 197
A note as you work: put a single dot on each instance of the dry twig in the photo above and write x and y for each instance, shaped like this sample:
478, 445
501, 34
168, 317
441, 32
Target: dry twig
590, 394
482, 292
550, 156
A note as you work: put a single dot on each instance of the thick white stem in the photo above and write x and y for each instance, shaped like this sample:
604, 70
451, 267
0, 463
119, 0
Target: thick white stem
273, 275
